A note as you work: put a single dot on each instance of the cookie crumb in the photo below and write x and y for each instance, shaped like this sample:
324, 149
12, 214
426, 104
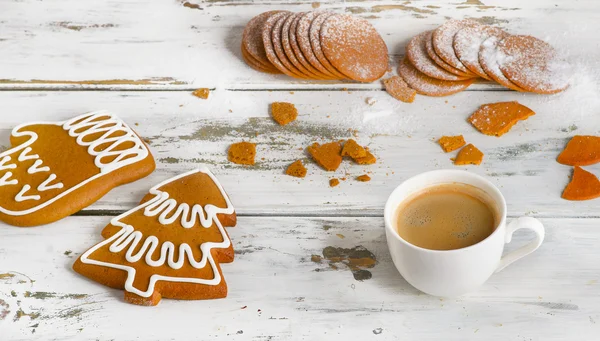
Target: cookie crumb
397, 88
370, 101
451, 143
201, 93
283, 113
326, 155
334, 182
469, 155
296, 169
369, 159
363, 178
242, 153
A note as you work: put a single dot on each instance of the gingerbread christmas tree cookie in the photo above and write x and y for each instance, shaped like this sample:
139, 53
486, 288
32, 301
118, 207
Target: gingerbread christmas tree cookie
170, 246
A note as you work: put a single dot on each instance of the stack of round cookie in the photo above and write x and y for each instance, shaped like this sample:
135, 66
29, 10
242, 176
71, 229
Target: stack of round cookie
316, 45
448, 59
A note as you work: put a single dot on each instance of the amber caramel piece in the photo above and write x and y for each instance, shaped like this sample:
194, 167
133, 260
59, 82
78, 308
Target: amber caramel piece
327, 155
201, 93
242, 153
469, 155
583, 186
496, 119
353, 149
582, 150
334, 182
451, 143
397, 88
296, 169
363, 178
283, 113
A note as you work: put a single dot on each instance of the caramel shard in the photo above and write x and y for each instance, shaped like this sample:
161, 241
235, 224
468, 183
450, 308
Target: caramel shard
296, 169
397, 88
583, 186
242, 153
327, 155
369, 159
582, 150
201, 93
469, 155
353, 150
451, 143
363, 178
283, 113
496, 119
334, 182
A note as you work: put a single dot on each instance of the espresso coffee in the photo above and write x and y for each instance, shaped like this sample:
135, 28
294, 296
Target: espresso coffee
446, 217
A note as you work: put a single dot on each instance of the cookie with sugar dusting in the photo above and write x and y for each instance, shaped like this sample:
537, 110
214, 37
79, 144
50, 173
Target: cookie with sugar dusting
277, 41
253, 63
533, 64
467, 43
289, 52
496, 119
439, 61
252, 40
416, 52
429, 86
293, 41
582, 150
303, 40
488, 59
315, 42
54, 169
583, 186
443, 38
354, 47
269, 45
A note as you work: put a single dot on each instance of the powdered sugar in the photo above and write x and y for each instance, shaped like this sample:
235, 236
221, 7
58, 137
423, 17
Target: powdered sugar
488, 59
417, 54
467, 43
443, 38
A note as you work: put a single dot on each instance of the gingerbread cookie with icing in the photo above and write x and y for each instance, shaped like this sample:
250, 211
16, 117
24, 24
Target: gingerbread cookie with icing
55, 169
170, 245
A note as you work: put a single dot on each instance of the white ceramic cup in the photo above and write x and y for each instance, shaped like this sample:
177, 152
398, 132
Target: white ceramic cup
455, 272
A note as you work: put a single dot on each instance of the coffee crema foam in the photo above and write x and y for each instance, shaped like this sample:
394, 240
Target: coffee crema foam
446, 217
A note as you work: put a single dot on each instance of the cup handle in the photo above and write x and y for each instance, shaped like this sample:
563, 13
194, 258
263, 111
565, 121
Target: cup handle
517, 224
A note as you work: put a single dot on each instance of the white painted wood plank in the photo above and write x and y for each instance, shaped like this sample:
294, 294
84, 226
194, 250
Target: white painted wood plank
276, 292
164, 44
186, 132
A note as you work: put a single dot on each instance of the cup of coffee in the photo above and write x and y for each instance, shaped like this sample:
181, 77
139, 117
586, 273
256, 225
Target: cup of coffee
446, 231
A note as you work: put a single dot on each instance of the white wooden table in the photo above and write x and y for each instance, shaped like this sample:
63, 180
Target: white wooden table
141, 59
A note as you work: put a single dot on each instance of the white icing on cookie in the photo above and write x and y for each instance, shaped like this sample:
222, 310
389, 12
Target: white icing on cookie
128, 238
92, 130
22, 197
5, 179
44, 186
35, 168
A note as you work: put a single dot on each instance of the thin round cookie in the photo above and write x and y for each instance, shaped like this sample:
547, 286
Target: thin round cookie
426, 85
253, 63
289, 52
303, 40
296, 49
315, 42
252, 37
417, 55
488, 59
276, 37
439, 61
443, 38
268, 44
354, 47
467, 43
533, 64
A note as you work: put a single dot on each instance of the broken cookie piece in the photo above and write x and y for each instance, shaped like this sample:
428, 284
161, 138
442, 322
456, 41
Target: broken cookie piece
326, 155
242, 153
469, 155
353, 150
201, 93
397, 88
333, 182
582, 150
363, 178
583, 186
369, 159
283, 113
496, 119
296, 169
451, 143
